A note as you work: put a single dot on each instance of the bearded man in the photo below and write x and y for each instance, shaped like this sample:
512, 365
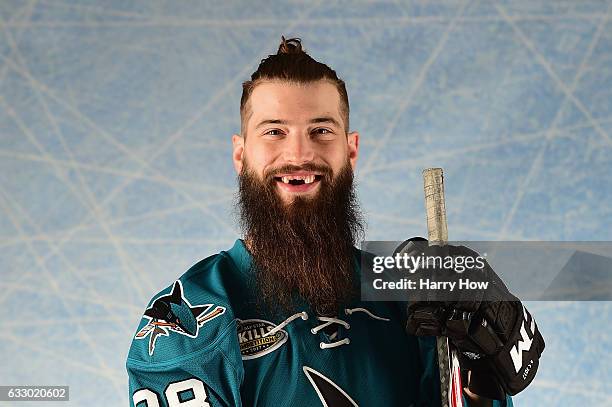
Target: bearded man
277, 319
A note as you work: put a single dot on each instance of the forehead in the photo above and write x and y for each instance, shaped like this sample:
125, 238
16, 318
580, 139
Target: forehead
294, 102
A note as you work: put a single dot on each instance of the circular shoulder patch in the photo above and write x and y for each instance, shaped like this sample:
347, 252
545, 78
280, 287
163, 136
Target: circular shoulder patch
253, 343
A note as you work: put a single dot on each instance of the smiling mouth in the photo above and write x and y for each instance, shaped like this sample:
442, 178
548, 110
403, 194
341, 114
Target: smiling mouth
298, 179
298, 183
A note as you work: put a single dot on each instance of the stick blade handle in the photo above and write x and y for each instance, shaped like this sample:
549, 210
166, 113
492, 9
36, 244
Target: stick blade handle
437, 234
435, 206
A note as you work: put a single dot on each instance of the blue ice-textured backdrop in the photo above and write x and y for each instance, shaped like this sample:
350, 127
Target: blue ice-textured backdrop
115, 172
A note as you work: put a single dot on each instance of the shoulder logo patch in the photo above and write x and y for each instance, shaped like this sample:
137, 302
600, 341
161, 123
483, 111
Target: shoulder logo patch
173, 313
253, 343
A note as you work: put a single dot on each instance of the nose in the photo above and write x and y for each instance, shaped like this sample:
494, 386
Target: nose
299, 149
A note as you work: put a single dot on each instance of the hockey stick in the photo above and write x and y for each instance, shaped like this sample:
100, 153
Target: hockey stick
437, 233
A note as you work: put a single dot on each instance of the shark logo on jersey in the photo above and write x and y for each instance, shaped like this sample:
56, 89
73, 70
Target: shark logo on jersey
330, 394
173, 313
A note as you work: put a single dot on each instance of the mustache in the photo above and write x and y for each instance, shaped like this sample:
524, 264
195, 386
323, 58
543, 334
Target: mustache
324, 170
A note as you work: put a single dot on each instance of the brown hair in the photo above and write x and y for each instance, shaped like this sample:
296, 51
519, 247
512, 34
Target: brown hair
292, 64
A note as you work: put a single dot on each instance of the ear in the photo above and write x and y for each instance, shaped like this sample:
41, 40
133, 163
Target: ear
353, 147
238, 152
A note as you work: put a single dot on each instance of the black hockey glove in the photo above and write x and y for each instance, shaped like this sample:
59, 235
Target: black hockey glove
497, 339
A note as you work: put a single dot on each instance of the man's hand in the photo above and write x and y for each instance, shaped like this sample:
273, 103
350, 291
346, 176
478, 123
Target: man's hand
497, 339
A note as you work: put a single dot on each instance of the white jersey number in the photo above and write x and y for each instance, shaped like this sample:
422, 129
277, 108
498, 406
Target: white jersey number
195, 386
148, 396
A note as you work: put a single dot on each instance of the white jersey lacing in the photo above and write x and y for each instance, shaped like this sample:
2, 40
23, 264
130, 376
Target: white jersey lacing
327, 321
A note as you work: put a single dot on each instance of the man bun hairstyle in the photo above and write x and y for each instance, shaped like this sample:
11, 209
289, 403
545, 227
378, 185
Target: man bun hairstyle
292, 64
290, 46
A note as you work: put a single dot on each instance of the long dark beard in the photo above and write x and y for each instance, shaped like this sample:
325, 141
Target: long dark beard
303, 250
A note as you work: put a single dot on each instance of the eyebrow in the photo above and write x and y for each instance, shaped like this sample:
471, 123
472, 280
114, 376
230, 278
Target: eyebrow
324, 119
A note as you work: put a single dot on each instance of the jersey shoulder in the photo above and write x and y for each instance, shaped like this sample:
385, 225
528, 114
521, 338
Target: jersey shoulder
192, 315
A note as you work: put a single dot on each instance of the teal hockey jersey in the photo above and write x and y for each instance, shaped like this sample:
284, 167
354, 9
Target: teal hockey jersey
203, 341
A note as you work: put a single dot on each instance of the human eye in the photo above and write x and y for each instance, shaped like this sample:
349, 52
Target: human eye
322, 131
272, 132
